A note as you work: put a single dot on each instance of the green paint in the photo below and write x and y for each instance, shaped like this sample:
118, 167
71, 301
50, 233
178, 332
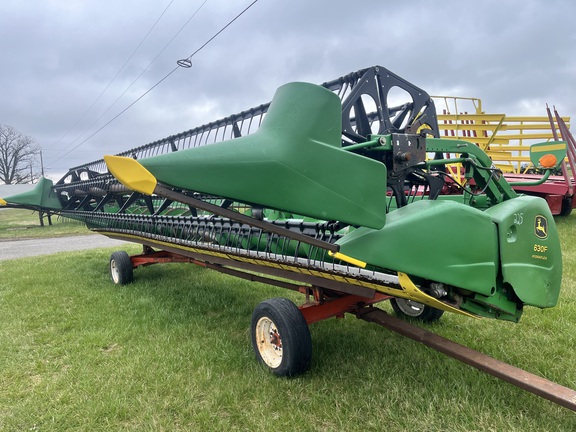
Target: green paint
531, 261
510, 250
293, 163
492, 252
442, 241
41, 196
498, 306
555, 148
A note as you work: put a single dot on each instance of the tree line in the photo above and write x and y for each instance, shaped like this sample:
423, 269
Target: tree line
19, 155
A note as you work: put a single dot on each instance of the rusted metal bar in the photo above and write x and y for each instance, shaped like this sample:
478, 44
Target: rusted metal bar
157, 257
539, 386
570, 143
555, 134
164, 257
304, 277
337, 307
250, 276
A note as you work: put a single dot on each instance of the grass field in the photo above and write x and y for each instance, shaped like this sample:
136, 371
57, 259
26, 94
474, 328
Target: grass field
171, 352
19, 224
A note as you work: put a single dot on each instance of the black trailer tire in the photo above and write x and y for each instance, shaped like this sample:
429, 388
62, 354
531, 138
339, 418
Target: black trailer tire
281, 337
121, 269
566, 206
414, 310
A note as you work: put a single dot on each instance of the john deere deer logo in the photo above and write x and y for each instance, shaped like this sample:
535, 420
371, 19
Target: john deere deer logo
541, 227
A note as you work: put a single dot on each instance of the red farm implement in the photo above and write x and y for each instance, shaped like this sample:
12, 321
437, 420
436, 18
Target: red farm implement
507, 139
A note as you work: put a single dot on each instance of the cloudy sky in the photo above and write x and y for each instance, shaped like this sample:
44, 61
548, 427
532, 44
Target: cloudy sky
67, 67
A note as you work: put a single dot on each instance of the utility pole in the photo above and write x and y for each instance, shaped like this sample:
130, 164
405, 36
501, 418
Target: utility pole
41, 163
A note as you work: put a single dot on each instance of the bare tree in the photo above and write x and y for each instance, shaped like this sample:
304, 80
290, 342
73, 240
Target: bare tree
18, 154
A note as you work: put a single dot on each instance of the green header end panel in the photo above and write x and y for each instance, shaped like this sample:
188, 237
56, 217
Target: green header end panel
293, 163
530, 250
442, 241
41, 196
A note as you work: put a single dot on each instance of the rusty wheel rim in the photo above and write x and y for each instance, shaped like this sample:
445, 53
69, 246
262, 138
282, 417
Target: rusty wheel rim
269, 342
114, 271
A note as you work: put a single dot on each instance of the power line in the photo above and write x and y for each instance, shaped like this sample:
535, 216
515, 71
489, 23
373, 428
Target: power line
129, 87
116, 75
180, 63
186, 62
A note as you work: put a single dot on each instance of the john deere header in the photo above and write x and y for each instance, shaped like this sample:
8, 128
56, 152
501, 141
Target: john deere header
352, 189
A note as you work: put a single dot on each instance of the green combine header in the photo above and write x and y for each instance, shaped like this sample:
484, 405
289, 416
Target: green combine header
338, 190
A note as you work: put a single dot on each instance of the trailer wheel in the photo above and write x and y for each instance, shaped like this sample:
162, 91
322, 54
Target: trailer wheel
121, 269
410, 309
566, 206
281, 337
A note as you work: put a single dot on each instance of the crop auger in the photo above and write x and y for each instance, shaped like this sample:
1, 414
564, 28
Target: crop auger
336, 189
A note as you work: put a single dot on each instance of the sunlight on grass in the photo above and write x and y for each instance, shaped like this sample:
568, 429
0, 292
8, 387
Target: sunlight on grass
172, 352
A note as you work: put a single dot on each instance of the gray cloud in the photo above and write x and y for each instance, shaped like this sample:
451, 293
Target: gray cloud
58, 56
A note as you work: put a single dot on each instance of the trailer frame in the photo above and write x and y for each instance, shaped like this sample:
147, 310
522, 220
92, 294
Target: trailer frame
326, 299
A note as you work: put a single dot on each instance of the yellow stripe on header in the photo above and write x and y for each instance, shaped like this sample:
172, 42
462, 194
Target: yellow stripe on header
347, 259
549, 148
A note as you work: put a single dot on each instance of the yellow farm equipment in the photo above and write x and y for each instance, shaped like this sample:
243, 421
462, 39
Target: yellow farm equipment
507, 140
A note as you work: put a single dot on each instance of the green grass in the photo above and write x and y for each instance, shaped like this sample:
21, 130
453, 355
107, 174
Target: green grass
172, 352
19, 224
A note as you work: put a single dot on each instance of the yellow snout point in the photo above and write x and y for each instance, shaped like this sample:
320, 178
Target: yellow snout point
131, 174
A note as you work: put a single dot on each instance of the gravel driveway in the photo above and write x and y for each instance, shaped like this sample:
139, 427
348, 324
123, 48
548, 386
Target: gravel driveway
12, 249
